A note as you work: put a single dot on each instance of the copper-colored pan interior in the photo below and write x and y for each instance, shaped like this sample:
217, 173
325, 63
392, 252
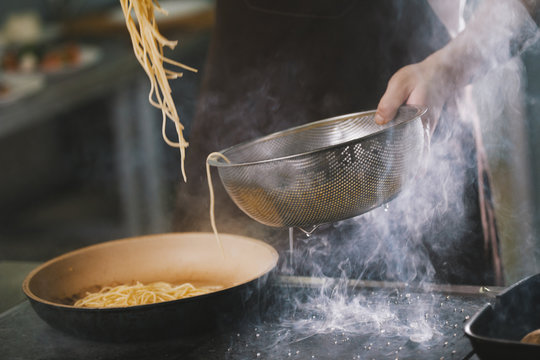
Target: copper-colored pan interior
175, 258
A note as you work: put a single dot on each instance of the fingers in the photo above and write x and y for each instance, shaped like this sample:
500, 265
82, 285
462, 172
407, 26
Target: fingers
396, 94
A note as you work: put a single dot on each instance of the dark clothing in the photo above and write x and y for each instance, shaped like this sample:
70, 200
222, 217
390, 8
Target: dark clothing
277, 64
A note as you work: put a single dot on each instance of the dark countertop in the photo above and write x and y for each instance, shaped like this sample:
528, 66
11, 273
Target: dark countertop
12, 274
385, 322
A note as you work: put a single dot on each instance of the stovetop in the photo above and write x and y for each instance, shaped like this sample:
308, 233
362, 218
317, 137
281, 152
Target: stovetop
302, 319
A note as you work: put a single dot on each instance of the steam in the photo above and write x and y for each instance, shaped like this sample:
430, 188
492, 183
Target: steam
329, 312
497, 102
389, 243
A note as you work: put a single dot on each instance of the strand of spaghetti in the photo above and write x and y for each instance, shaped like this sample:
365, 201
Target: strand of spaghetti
161, 39
183, 66
211, 156
160, 103
173, 75
148, 45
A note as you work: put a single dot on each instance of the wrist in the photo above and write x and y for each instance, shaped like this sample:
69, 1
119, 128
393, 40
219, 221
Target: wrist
447, 74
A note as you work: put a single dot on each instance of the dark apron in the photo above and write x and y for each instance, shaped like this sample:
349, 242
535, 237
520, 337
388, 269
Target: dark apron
282, 63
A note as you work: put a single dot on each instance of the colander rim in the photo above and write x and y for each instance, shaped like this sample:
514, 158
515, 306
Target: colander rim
220, 163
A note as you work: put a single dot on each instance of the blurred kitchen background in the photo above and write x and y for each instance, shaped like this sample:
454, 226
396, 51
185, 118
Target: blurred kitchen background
82, 159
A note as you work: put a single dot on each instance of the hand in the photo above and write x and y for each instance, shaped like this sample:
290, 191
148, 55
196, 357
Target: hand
428, 83
484, 44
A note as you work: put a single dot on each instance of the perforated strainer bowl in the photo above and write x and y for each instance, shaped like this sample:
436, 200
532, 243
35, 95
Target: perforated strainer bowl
323, 171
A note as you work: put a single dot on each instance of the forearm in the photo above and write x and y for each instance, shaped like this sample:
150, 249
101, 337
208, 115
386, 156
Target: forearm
532, 7
498, 30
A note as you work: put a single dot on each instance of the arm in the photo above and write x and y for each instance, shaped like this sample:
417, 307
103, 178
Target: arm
498, 30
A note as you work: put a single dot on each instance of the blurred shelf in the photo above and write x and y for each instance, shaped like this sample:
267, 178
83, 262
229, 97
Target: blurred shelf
61, 223
116, 69
185, 15
137, 134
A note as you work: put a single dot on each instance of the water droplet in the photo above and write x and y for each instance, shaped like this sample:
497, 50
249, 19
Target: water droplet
467, 317
257, 335
258, 354
445, 343
386, 206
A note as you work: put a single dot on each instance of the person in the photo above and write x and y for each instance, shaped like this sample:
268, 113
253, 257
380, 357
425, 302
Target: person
277, 64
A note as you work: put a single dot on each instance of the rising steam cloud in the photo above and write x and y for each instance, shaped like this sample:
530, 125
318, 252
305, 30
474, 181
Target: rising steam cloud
389, 243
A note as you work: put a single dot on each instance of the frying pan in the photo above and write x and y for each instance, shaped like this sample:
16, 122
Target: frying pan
243, 270
496, 330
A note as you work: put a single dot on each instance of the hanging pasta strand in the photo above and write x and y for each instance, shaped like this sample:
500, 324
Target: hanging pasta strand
148, 44
214, 156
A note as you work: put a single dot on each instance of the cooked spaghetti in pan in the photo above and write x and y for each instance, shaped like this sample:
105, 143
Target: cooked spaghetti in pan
141, 294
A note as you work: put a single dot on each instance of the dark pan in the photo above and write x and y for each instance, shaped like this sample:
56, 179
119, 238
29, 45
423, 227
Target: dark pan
496, 330
176, 258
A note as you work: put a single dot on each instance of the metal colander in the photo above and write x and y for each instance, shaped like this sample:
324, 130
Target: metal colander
324, 171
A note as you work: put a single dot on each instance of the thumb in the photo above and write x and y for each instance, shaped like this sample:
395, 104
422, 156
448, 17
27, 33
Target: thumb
397, 92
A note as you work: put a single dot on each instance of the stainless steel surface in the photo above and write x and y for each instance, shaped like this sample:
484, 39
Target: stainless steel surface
356, 284
324, 171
